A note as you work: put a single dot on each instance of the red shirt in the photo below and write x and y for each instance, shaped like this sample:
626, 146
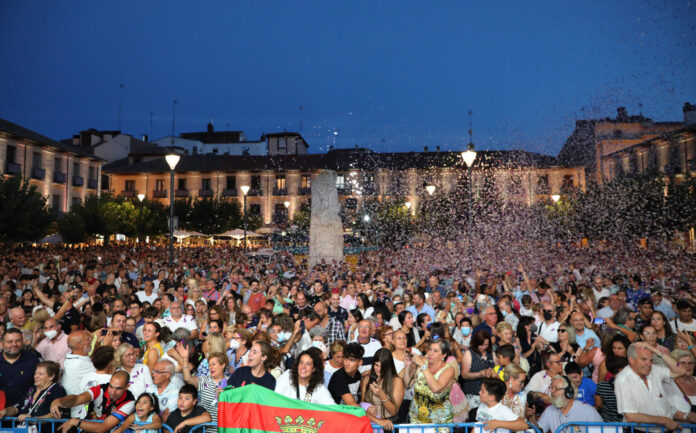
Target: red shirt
256, 301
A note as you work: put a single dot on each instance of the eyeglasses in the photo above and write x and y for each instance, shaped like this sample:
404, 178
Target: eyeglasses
562, 330
160, 371
555, 389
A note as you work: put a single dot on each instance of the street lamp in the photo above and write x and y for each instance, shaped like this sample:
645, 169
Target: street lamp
555, 198
141, 197
469, 156
172, 161
430, 189
245, 191
408, 205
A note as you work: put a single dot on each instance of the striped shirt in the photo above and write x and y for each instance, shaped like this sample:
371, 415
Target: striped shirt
609, 412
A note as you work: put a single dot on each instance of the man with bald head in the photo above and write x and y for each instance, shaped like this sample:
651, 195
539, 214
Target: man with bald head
165, 386
52, 343
77, 364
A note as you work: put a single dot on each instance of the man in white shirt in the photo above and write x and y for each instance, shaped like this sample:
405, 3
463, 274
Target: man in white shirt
640, 394
548, 328
370, 345
147, 294
685, 321
165, 386
492, 413
177, 319
539, 385
612, 307
77, 365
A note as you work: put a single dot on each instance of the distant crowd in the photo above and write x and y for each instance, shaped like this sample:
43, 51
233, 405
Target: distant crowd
113, 338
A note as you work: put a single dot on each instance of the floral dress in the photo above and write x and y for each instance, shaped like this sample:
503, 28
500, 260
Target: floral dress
428, 407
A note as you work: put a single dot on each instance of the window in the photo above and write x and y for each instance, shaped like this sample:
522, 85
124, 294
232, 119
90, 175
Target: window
340, 181
256, 183
76, 169
91, 173
182, 184
567, 185
205, 184
282, 144
542, 185
255, 209
130, 185
231, 183
280, 213
76, 201
306, 181
36, 160
280, 182
55, 202
159, 185
11, 154
58, 165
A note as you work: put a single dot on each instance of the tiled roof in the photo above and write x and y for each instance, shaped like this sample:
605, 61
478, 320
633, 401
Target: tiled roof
340, 160
19, 132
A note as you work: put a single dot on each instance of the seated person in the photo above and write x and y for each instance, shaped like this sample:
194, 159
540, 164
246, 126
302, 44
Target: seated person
586, 387
492, 413
187, 414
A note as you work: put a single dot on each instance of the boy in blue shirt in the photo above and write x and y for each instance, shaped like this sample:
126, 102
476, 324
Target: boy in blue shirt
586, 387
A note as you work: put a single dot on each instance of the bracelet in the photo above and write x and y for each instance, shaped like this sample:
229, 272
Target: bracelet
79, 423
691, 347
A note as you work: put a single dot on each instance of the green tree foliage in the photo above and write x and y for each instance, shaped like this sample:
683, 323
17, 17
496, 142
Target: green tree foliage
24, 214
389, 222
210, 215
72, 228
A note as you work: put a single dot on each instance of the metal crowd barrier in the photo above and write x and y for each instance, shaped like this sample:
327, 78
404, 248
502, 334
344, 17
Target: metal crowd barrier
56, 422
619, 427
406, 428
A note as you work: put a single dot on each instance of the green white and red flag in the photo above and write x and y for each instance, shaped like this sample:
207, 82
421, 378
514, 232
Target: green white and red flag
255, 409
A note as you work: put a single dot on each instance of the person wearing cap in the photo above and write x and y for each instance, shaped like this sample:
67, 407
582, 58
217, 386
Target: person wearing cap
685, 320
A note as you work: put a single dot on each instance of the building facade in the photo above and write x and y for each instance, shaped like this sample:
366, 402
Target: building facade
518, 176
63, 173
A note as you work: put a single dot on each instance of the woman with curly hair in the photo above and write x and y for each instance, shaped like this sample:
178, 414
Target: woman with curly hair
305, 381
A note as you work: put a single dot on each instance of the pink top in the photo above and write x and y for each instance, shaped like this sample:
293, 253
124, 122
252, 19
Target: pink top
54, 350
597, 360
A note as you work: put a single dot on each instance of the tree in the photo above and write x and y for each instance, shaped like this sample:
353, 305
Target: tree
208, 215
24, 214
72, 228
388, 222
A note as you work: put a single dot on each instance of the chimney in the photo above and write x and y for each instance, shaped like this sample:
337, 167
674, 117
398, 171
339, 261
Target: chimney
425, 148
437, 148
145, 138
621, 114
689, 114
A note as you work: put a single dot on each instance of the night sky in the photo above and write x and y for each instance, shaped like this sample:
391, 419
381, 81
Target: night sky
388, 75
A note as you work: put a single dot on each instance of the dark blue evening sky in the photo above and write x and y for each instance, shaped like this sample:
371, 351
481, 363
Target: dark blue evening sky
388, 75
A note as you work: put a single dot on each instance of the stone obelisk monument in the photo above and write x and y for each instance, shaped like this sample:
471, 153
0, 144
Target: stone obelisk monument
325, 228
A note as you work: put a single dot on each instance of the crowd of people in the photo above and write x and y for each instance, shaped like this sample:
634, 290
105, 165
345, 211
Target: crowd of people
542, 334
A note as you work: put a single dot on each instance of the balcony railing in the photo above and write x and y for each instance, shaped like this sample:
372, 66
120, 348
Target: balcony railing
277, 191
78, 181
38, 173
181, 193
205, 193
12, 168
92, 183
229, 192
346, 190
127, 193
159, 193
304, 191
59, 177
255, 192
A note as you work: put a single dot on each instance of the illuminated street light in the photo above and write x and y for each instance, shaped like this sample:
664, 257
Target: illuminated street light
172, 161
430, 189
555, 198
245, 191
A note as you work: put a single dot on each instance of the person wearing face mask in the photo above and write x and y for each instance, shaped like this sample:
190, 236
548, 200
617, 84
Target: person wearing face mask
548, 328
52, 344
462, 334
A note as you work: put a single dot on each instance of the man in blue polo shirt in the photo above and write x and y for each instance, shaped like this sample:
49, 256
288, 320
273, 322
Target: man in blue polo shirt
17, 367
419, 306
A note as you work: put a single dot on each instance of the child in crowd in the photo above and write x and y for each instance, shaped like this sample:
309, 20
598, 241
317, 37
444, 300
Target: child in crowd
187, 414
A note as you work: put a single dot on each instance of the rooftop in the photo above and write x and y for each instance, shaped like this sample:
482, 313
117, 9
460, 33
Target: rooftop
15, 131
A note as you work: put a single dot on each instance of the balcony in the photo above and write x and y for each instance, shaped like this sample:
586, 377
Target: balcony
255, 192
59, 177
304, 191
12, 168
78, 181
345, 190
129, 194
281, 192
369, 190
92, 183
38, 173
181, 193
205, 193
229, 192
159, 193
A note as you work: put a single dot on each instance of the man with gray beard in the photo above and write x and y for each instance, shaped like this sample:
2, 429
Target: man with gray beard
565, 408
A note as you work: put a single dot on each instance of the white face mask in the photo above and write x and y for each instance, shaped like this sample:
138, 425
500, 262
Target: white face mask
51, 334
234, 344
284, 336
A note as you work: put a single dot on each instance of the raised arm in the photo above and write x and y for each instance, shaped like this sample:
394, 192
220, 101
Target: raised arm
186, 367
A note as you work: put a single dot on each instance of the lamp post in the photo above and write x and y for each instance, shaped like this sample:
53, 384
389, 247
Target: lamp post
555, 198
245, 191
287, 211
469, 156
141, 197
172, 161
408, 205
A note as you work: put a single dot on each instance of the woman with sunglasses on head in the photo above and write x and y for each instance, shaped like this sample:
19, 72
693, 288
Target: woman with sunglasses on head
383, 390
